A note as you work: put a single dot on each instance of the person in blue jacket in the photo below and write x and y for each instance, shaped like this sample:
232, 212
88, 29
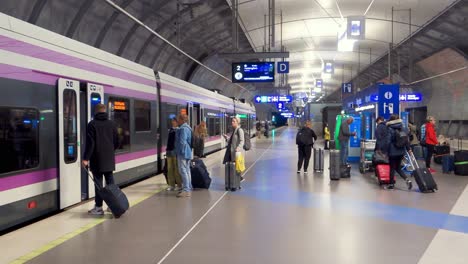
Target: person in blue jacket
184, 154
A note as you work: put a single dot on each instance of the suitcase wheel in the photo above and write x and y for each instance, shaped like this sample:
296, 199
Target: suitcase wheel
361, 169
226, 188
233, 189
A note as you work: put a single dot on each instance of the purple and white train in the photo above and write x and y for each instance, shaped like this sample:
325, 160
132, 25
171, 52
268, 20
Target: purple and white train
49, 85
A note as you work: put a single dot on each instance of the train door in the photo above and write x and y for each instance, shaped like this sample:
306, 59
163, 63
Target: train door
90, 96
69, 142
190, 114
222, 123
195, 117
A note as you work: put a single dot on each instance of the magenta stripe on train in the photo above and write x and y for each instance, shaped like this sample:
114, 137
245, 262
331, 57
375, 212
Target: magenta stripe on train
38, 52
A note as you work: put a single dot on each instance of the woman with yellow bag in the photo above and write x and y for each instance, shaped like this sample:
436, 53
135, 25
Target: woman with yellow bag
234, 156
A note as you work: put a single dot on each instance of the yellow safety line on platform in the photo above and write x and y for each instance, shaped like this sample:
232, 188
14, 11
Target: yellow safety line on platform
66, 237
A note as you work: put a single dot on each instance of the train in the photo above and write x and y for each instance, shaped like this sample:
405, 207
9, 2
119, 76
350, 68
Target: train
50, 85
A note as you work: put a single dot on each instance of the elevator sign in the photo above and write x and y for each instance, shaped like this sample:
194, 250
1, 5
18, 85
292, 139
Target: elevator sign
389, 100
283, 67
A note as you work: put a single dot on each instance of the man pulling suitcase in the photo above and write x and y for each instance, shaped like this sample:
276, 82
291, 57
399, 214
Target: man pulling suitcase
101, 142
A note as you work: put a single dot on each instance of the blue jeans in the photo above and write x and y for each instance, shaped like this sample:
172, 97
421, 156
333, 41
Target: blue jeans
344, 151
184, 171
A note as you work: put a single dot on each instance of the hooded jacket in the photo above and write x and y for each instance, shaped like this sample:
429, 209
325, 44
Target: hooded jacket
381, 137
393, 150
101, 142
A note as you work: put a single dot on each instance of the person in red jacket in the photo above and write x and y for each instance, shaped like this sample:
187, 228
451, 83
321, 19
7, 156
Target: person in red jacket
431, 141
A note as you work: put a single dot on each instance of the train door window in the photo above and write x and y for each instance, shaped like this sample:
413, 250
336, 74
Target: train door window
19, 139
95, 99
70, 126
119, 112
213, 123
142, 110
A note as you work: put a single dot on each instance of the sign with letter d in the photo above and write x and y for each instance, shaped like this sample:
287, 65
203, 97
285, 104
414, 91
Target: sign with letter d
389, 100
283, 67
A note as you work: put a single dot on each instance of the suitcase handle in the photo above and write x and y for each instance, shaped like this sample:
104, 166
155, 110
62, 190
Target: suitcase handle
412, 159
98, 185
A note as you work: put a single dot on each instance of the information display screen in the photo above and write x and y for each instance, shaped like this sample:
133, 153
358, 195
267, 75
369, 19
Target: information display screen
253, 72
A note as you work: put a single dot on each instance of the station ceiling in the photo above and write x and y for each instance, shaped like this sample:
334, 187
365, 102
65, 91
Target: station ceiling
203, 29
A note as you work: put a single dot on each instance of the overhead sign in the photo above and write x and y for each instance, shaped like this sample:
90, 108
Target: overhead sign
347, 88
280, 105
389, 100
288, 115
283, 67
328, 67
406, 97
356, 27
319, 83
253, 72
273, 98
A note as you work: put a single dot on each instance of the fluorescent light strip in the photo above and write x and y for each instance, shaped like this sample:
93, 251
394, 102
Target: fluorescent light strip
367, 10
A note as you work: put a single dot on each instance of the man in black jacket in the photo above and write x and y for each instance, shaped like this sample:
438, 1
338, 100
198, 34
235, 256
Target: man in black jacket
305, 139
101, 142
343, 137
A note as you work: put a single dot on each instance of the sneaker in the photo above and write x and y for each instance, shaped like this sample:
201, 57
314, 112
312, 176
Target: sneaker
242, 179
431, 170
96, 211
184, 194
409, 184
389, 187
299, 172
170, 188
305, 172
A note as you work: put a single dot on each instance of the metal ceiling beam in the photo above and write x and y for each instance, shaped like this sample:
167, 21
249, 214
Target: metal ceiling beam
254, 55
135, 26
78, 17
108, 24
36, 12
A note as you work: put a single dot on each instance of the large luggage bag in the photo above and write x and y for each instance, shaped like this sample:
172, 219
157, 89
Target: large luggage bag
345, 171
334, 164
318, 159
422, 176
200, 175
447, 163
113, 196
232, 178
441, 151
461, 160
383, 173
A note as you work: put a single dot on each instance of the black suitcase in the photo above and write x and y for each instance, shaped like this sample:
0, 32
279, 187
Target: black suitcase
232, 178
318, 160
334, 164
332, 144
345, 171
200, 175
461, 160
422, 176
113, 196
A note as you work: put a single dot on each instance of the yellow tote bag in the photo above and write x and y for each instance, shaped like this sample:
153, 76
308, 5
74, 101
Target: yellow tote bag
240, 162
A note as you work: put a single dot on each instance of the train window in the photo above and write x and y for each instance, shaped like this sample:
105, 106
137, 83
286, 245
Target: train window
19, 139
70, 133
142, 110
95, 99
213, 123
120, 113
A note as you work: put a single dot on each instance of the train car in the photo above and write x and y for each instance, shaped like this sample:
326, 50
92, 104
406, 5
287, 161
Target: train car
50, 85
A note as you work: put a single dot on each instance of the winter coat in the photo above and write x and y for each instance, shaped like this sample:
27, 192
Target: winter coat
235, 141
394, 151
344, 132
381, 140
183, 141
309, 137
101, 142
431, 137
170, 146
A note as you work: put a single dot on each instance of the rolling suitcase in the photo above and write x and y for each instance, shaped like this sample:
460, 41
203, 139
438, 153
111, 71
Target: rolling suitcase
113, 196
447, 163
383, 173
461, 160
332, 144
318, 159
334, 164
422, 176
232, 178
200, 175
345, 171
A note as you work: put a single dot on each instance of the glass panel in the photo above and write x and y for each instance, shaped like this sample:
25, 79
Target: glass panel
119, 112
70, 133
95, 99
142, 111
19, 139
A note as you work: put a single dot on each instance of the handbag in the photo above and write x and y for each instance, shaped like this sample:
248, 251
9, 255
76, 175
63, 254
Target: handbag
240, 162
380, 157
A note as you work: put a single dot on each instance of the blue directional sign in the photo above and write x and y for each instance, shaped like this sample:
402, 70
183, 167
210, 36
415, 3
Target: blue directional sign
283, 67
258, 99
389, 100
318, 83
273, 98
347, 88
280, 105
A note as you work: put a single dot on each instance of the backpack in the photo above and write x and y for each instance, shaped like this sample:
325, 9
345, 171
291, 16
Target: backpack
422, 135
258, 126
301, 137
401, 138
247, 145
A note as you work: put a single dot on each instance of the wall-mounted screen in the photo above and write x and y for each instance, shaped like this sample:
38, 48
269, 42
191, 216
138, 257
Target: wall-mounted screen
253, 72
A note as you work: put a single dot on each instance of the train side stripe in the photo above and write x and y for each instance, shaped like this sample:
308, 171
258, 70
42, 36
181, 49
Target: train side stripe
16, 181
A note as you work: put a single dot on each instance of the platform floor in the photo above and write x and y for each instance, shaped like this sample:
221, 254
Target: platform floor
278, 217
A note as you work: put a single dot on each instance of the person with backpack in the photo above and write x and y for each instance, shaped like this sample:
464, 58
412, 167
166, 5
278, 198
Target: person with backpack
305, 142
413, 136
430, 141
173, 175
235, 142
381, 132
398, 145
